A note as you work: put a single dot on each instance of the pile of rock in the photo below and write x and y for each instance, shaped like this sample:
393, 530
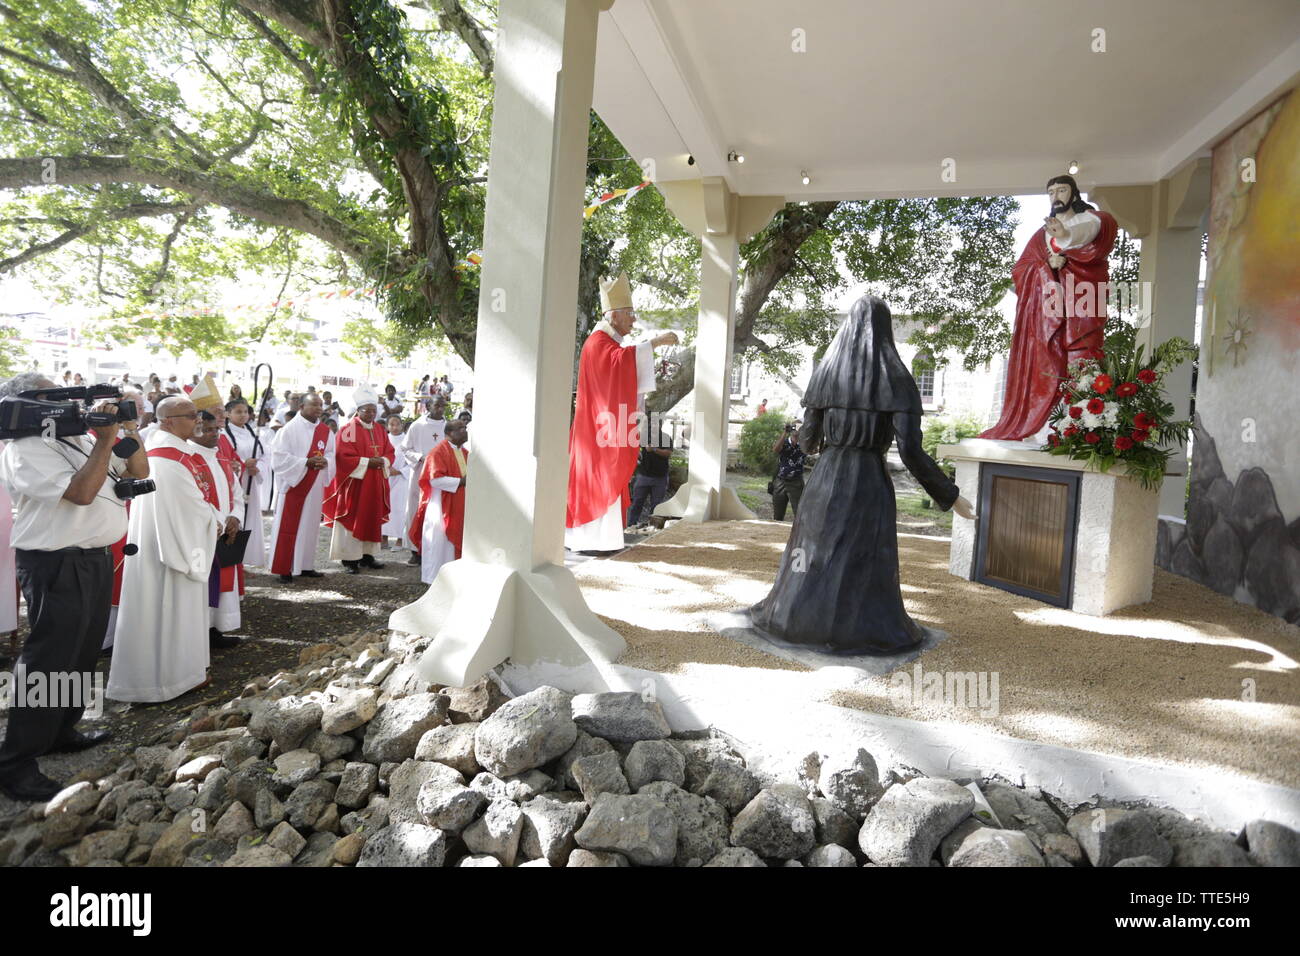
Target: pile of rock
353, 760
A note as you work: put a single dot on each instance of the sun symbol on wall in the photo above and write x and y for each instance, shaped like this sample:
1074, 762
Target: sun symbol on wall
1234, 342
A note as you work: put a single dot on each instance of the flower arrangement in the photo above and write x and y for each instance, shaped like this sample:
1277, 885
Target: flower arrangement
1113, 409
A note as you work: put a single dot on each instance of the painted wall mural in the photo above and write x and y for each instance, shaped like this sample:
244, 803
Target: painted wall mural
1242, 534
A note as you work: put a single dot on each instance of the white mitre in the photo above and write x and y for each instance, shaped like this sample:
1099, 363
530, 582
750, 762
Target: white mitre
365, 395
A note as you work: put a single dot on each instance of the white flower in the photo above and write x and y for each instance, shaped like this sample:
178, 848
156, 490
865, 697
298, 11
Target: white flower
1110, 415
1089, 420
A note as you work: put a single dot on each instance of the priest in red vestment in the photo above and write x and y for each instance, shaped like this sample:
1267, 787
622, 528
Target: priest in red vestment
1061, 281
357, 500
440, 518
604, 440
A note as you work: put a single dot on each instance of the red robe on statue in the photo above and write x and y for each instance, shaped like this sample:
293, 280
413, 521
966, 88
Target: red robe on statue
604, 441
442, 463
359, 504
1059, 318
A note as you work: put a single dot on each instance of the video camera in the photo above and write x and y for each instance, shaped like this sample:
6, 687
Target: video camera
61, 412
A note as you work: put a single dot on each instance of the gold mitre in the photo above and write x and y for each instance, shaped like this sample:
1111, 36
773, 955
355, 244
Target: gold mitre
615, 293
205, 394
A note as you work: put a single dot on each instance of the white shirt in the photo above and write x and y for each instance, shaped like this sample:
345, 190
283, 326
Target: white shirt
37, 471
1081, 229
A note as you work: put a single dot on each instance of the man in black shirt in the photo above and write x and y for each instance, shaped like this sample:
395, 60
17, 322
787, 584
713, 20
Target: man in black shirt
787, 487
650, 484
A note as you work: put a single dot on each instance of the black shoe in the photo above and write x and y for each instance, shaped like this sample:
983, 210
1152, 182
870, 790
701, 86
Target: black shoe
79, 741
31, 787
414, 558
351, 567
286, 579
368, 561
310, 574
222, 641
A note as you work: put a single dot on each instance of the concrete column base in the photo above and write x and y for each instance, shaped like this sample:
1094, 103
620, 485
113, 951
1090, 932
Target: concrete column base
696, 502
480, 615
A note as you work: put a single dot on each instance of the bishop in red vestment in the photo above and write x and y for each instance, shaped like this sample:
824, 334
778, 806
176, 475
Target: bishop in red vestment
1061, 282
357, 500
604, 441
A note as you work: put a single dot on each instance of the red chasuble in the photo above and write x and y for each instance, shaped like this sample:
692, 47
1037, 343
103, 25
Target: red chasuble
442, 463
603, 442
1053, 326
359, 504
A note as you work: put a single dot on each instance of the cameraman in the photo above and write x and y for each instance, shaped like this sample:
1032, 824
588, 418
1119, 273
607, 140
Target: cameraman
67, 517
787, 486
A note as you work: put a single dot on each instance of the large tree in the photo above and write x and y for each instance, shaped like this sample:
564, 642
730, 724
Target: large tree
160, 147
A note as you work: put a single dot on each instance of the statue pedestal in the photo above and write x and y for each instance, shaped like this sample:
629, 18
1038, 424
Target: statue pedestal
1050, 529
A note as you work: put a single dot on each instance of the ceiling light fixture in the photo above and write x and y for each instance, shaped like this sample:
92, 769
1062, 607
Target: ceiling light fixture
1074, 167
735, 157
690, 160
804, 177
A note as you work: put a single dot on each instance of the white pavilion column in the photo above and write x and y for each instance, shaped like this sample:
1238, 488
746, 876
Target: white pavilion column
723, 221
1168, 216
510, 595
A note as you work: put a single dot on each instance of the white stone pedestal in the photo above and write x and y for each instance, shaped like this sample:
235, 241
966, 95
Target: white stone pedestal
1115, 539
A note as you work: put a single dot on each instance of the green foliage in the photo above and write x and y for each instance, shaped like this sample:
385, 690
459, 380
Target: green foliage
944, 262
13, 355
757, 436
947, 430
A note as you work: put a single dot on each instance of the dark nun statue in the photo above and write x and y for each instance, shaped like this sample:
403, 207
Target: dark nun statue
837, 588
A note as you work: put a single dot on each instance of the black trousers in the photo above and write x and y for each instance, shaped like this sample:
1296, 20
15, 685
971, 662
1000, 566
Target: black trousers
786, 491
68, 594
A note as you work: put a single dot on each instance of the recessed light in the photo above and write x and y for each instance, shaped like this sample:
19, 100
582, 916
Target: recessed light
804, 177
1074, 167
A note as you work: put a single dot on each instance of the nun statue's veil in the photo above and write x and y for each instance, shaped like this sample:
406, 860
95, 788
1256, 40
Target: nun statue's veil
862, 369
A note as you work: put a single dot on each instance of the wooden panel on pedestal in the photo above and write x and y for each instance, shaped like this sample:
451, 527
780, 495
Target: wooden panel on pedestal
1026, 535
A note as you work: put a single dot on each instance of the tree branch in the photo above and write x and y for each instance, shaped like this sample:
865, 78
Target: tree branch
243, 200
309, 75
185, 216
77, 230
468, 29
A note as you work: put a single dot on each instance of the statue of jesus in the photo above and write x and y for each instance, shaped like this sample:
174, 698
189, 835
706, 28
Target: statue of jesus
1061, 280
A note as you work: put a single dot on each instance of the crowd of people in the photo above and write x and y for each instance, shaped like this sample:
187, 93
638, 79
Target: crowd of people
132, 539
133, 536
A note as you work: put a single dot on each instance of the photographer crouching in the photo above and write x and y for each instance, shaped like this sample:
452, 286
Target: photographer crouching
70, 493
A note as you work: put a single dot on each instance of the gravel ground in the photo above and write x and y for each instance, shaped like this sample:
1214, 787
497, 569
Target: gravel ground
1192, 677
278, 622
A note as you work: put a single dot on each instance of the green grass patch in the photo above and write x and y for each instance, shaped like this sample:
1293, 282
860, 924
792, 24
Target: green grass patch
911, 506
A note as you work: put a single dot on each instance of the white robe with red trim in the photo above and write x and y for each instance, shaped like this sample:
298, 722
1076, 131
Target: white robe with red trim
289, 452
161, 646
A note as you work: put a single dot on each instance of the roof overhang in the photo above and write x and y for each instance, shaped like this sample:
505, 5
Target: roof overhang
885, 91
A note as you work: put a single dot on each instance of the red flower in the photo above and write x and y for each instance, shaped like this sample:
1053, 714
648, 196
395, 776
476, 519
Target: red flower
1093, 354
1076, 411
1127, 389
1147, 377
1123, 443
1053, 439
1096, 406
1092, 438
1143, 420
1071, 431
1140, 434
1101, 384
